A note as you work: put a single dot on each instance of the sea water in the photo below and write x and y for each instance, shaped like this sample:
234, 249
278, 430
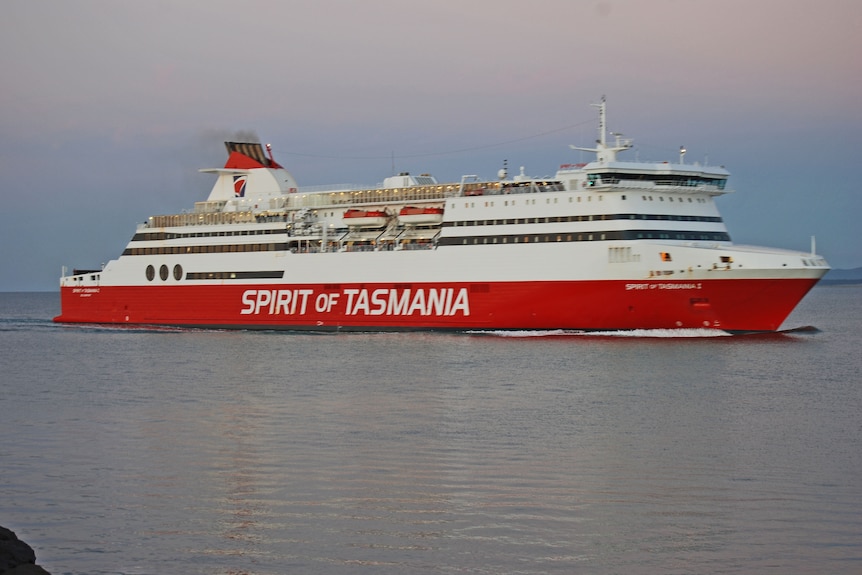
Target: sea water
154, 451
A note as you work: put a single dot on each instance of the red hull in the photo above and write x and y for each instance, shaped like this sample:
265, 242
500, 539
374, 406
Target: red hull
731, 305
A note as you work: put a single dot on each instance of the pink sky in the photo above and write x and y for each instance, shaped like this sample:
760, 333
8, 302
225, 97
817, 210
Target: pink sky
767, 87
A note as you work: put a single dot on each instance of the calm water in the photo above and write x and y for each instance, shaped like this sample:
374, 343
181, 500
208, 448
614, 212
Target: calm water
136, 451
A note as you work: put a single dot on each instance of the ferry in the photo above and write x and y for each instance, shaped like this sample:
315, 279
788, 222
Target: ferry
607, 245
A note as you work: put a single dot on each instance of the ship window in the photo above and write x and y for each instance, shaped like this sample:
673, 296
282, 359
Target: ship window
178, 272
163, 272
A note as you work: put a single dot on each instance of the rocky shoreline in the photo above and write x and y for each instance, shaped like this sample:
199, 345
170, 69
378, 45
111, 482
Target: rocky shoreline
16, 557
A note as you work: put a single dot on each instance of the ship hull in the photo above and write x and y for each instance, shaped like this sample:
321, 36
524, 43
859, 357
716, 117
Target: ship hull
733, 305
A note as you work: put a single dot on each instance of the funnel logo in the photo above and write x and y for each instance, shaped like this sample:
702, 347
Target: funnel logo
239, 186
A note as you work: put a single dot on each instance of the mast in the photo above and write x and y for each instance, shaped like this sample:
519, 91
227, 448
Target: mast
602, 106
605, 153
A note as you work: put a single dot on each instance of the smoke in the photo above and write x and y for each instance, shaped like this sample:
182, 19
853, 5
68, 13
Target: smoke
245, 136
210, 144
221, 136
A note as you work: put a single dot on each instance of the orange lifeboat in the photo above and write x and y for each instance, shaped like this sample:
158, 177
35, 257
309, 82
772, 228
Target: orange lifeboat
366, 218
420, 215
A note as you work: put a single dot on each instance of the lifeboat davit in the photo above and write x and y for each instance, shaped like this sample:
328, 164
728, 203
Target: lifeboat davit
366, 218
420, 215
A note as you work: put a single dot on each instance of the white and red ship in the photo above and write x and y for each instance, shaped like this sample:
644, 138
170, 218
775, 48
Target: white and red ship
607, 245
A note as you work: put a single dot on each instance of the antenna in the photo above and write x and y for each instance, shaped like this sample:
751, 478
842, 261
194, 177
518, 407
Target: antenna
605, 153
602, 120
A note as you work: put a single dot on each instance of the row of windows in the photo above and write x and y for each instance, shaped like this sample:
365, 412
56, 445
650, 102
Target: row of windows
587, 237
275, 274
150, 272
658, 179
164, 273
157, 236
211, 249
465, 240
586, 218
599, 197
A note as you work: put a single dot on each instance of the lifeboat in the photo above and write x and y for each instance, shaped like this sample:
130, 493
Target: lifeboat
420, 215
366, 218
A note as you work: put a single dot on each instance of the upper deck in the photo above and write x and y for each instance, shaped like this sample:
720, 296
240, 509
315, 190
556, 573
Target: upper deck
252, 188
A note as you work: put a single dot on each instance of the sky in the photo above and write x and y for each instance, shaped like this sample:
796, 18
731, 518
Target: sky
109, 108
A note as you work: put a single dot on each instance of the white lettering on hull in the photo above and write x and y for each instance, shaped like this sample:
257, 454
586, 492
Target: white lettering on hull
275, 302
659, 285
359, 302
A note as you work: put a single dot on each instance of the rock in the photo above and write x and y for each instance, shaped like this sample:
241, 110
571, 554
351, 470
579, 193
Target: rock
16, 557
26, 569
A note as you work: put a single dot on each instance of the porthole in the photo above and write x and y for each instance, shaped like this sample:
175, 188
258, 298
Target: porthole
178, 272
163, 272
151, 273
